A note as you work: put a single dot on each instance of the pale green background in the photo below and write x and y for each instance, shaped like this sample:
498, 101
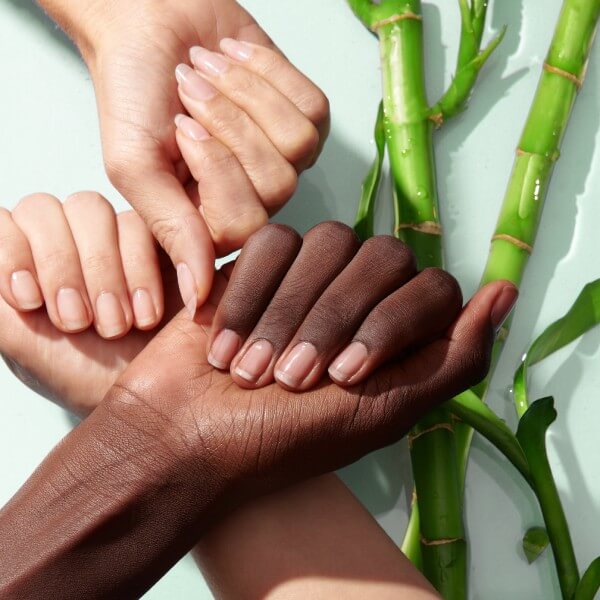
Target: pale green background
49, 142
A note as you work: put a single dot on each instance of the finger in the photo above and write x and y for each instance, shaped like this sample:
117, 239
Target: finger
152, 188
41, 218
273, 178
229, 202
440, 370
94, 227
263, 263
289, 130
326, 251
416, 313
381, 266
18, 279
274, 68
141, 270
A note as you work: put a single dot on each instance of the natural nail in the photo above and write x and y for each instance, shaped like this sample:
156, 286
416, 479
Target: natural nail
224, 348
503, 305
187, 288
192, 84
144, 310
255, 361
25, 290
111, 318
71, 309
297, 365
191, 128
235, 49
208, 62
349, 362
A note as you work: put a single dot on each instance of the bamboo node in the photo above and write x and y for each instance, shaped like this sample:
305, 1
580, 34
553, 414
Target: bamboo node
430, 227
414, 497
514, 241
441, 541
415, 436
438, 119
502, 334
555, 156
394, 19
562, 73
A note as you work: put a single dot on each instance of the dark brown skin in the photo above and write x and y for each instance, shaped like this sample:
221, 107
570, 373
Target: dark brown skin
175, 444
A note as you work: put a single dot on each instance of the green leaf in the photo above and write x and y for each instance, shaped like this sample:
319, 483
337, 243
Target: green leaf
370, 186
531, 434
583, 315
590, 582
535, 541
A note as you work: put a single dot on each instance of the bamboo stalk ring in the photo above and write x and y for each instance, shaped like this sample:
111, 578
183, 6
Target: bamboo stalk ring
441, 541
554, 157
394, 19
429, 227
415, 436
438, 119
566, 74
514, 241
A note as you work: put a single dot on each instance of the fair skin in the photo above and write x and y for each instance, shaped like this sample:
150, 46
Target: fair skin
241, 87
317, 539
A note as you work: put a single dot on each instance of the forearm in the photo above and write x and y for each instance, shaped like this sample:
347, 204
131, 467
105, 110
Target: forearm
314, 540
107, 513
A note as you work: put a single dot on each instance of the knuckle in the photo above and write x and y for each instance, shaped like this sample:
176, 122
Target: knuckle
121, 169
215, 163
300, 143
30, 205
274, 235
98, 264
317, 107
390, 251
282, 186
236, 228
270, 61
89, 201
331, 231
168, 230
444, 284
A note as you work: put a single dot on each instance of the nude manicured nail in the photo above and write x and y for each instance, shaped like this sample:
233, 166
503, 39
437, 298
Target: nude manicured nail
187, 288
71, 309
224, 348
111, 318
191, 128
208, 62
235, 49
503, 305
348, 363
25, 290
192, 84
143, 308
255, 361
297, 365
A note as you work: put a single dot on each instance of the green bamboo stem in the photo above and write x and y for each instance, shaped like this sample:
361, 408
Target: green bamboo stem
537, 152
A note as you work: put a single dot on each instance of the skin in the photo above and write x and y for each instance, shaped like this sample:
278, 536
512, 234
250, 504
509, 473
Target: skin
175, 445
133, 71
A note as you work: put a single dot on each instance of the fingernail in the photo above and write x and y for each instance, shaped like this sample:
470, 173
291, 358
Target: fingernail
192, 84
503, 305
191, 128
349, 362
144, 310
255, 361
25, 290
298, 364
208, 62
224, 348
71, 309
235, 49
111, 318
187, 288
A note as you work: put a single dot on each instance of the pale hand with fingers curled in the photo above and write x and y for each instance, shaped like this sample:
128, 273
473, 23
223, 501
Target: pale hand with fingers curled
255, 122
175, 445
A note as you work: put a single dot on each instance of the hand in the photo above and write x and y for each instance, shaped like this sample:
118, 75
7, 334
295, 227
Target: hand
87, 266
174, 445
132, 49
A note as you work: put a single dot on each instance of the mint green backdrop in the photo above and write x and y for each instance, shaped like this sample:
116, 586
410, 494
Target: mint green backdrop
49, 142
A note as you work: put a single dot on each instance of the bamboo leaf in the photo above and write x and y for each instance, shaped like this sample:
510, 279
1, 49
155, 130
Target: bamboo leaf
535, 541
531, 434
583, 315
370, 186
590, 582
